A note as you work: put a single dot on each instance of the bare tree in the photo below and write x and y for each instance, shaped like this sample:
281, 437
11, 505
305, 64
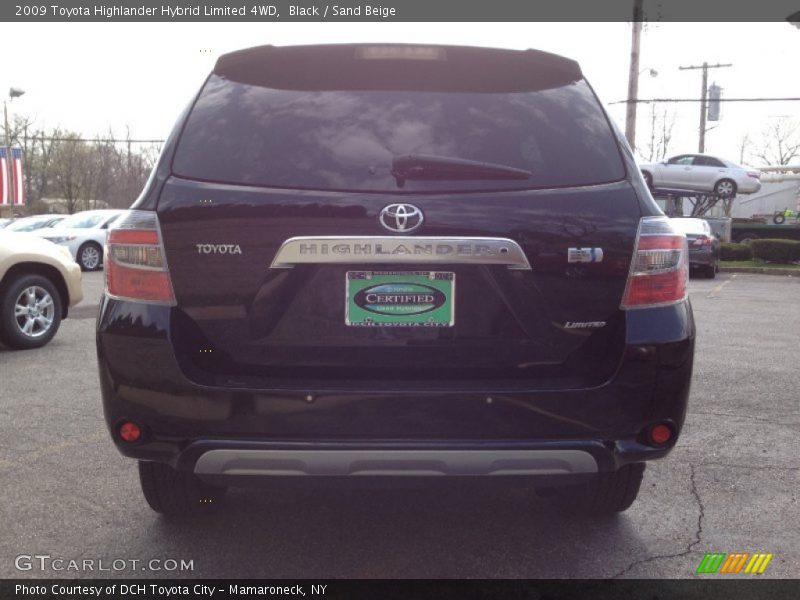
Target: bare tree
744, 147
83, 174
780, 142
122, 169
661, 125
69, 161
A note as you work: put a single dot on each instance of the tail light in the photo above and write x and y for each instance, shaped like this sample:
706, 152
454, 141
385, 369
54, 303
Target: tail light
703, 240
754, 174
659, 270
136, 266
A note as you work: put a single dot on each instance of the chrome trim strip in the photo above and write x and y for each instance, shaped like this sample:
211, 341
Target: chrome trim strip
394, 462
400, 250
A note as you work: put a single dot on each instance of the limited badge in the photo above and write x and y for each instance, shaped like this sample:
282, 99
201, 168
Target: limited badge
584, 255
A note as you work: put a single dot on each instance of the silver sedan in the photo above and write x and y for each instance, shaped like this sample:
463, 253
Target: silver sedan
701, 173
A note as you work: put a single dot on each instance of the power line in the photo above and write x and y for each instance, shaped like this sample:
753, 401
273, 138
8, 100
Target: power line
641, 100
704, 95
113, 141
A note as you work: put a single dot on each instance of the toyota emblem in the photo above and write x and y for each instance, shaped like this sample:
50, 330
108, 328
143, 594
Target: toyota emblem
401, 218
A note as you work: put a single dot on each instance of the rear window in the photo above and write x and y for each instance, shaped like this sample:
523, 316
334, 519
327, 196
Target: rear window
346, 139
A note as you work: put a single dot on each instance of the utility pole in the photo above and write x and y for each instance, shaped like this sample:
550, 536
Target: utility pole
704, 98
633, 75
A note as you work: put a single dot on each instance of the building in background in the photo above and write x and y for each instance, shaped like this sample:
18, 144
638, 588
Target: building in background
780, 189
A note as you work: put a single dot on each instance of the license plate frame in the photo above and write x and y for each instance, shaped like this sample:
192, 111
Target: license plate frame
404, 299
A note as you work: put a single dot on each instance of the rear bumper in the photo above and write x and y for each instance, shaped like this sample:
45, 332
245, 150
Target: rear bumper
232, 462
548, 463
702, 259
73, 279
251, 432
749, 186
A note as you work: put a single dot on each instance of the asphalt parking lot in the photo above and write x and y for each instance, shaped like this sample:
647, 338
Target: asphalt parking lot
731, 485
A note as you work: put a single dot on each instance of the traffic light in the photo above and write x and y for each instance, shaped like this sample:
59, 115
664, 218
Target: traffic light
714, 94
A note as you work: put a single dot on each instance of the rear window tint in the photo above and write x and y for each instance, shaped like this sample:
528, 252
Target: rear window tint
346, 139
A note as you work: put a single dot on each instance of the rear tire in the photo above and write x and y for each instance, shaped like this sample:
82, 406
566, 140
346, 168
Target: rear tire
90, 256
711, 272
606, 494
779, 218
172, 492
725, 188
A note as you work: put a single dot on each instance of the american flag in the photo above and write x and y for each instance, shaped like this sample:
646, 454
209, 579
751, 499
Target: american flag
16, 177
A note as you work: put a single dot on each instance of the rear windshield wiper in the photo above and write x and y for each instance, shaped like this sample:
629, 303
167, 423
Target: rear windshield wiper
423, 167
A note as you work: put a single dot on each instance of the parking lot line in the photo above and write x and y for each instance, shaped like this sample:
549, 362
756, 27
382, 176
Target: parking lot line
718, 289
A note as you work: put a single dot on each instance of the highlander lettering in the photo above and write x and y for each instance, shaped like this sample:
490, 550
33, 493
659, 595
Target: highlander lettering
383, 249
345, 249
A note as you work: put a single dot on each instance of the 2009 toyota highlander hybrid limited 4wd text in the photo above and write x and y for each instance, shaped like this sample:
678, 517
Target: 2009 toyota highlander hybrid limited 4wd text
386, 260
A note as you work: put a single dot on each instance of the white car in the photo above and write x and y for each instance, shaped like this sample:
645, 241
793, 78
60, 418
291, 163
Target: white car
33, 223
701, 173
38, 282
84, 234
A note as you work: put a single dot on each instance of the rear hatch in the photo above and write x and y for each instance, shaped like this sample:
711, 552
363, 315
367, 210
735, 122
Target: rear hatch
482, 191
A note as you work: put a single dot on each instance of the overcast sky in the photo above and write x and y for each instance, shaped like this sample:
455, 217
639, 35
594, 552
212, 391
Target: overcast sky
89, 77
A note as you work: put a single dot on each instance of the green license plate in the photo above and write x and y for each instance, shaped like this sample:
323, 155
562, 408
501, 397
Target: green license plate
400, 299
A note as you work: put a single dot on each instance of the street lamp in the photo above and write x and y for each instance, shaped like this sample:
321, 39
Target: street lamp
12, 192
633, 96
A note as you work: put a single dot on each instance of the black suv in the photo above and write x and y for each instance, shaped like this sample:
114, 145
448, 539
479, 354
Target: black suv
395, 260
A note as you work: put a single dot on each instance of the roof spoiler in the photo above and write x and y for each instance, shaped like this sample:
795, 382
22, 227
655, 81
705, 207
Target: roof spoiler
398, 67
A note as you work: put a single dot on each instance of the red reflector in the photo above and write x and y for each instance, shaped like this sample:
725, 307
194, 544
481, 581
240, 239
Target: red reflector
659, 288
660, 434
133, 236
140, 284
660, 242
130, 432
